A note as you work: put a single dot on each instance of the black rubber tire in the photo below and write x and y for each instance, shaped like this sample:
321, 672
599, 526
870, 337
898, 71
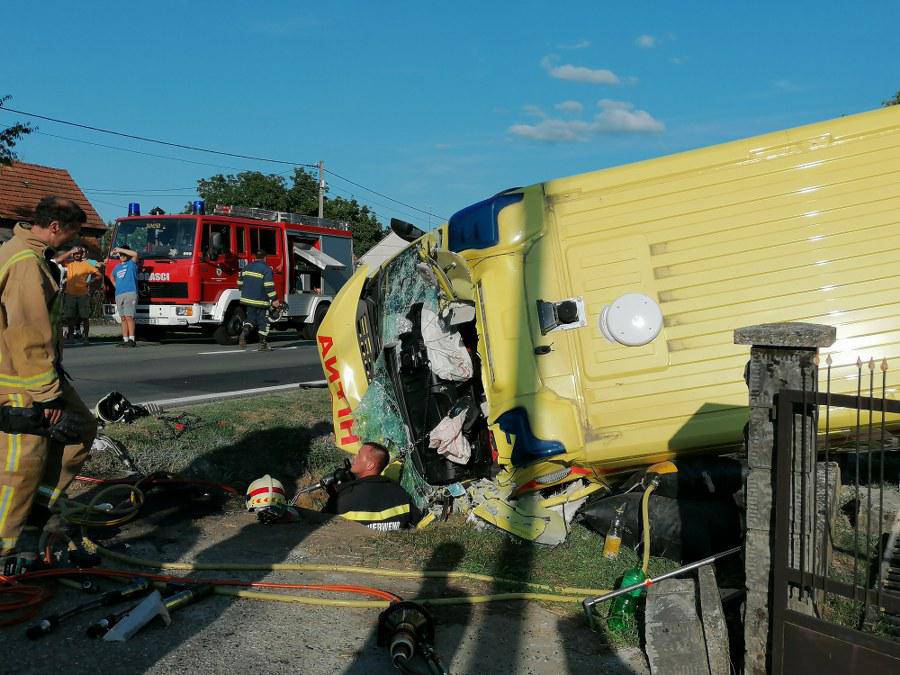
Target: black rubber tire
230, 329
310, 329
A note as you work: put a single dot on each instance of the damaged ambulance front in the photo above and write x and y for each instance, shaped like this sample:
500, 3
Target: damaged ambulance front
434, 356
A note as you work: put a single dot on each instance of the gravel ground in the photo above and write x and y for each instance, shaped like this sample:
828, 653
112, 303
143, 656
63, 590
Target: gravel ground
236, 635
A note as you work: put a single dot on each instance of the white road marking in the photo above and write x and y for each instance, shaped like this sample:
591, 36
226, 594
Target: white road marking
184, 400
245, 351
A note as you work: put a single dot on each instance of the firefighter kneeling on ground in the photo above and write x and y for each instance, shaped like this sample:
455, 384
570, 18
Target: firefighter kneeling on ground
257, 285
363, 496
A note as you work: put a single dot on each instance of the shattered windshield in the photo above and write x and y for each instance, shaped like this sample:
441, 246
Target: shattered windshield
404, 282
158, 237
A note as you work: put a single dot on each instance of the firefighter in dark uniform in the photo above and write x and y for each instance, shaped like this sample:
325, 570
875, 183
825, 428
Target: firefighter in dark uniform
257, 285
367, 498
371, 499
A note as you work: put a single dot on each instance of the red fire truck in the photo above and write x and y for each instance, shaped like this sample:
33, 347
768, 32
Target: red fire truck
189, 266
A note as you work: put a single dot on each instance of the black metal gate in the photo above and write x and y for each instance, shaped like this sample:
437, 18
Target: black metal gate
836, 594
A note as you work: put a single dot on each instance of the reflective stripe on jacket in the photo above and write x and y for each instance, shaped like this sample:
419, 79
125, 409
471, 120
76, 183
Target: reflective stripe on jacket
29, 336
257, 284
374, 501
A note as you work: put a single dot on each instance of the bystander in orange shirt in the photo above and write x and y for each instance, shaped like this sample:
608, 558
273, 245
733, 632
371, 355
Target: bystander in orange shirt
77, 273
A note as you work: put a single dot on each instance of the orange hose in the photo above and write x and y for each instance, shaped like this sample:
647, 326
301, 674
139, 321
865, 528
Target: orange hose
32, 596
28, 598
150, 480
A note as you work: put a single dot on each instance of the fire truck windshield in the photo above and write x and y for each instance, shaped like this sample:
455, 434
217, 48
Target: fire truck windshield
158, 237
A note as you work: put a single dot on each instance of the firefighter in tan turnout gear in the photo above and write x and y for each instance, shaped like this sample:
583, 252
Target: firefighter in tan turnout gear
31, 374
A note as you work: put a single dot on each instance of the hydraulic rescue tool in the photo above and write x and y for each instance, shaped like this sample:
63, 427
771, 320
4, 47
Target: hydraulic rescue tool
407, 629
47, 625
120, 626
342, 474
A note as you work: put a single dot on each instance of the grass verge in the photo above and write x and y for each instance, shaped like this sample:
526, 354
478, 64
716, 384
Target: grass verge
290, 437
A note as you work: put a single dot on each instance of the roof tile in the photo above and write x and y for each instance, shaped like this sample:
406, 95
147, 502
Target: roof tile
23, 185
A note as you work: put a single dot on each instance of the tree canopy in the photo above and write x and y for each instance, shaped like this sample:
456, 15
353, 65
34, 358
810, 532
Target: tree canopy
298, 194
893, 100
10, 136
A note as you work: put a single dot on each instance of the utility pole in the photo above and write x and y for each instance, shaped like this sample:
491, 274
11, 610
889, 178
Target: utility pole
321, 189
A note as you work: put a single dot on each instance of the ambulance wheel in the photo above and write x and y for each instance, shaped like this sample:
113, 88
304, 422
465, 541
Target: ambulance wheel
230, 329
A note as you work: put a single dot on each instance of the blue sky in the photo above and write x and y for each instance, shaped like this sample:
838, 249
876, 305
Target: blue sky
437, 105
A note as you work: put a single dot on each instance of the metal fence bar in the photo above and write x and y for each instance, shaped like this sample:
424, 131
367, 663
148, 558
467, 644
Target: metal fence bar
891, 600
803, 421
784, 443
815, 460
868, 571
856, 476
884, 368
827, 537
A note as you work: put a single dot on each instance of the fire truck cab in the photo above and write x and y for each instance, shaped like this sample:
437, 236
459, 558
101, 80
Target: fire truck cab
189, 265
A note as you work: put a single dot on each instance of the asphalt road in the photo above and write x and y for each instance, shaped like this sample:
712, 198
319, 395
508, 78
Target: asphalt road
187, 366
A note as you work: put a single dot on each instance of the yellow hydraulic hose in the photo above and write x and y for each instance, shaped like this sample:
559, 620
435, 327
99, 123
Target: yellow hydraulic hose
314, 567
90, 515
645, 514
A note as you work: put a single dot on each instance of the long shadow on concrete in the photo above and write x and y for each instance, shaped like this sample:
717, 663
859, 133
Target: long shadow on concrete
172, 532
445, 557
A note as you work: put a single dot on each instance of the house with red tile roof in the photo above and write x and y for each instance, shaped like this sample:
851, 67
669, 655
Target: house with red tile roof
23, 185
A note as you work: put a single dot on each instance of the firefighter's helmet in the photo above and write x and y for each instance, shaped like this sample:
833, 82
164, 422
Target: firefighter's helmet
111, 408
263, 492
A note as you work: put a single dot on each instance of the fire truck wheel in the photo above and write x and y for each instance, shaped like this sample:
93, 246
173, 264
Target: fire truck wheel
310, 329
230, 330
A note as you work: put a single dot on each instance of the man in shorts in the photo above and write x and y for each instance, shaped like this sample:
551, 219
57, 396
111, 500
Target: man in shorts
80, 276
125, 279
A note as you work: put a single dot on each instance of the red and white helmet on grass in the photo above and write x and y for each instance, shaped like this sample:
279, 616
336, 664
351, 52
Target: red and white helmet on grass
263, 492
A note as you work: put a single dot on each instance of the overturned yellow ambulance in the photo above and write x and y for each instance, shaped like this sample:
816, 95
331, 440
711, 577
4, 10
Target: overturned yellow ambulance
797, 225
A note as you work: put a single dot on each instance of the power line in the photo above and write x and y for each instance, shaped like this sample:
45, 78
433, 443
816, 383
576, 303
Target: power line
126, 190
206, 150
139, 152
118, 206
381, 194
368, 202
156, 140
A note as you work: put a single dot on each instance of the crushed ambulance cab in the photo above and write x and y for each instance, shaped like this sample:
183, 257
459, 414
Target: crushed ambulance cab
551, 337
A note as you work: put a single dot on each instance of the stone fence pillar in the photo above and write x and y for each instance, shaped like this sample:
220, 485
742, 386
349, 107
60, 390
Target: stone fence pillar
781, 357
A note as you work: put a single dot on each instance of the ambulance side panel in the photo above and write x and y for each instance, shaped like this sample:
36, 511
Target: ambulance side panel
799, 225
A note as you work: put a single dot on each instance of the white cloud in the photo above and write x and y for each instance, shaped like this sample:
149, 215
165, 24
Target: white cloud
554, 131
533, 110
615, 117
621, 117
609, 104
645, 41
579, 73
581, 44
569, 107
583, 74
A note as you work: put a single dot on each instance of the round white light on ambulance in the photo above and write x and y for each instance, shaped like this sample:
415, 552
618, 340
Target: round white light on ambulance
633, 319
